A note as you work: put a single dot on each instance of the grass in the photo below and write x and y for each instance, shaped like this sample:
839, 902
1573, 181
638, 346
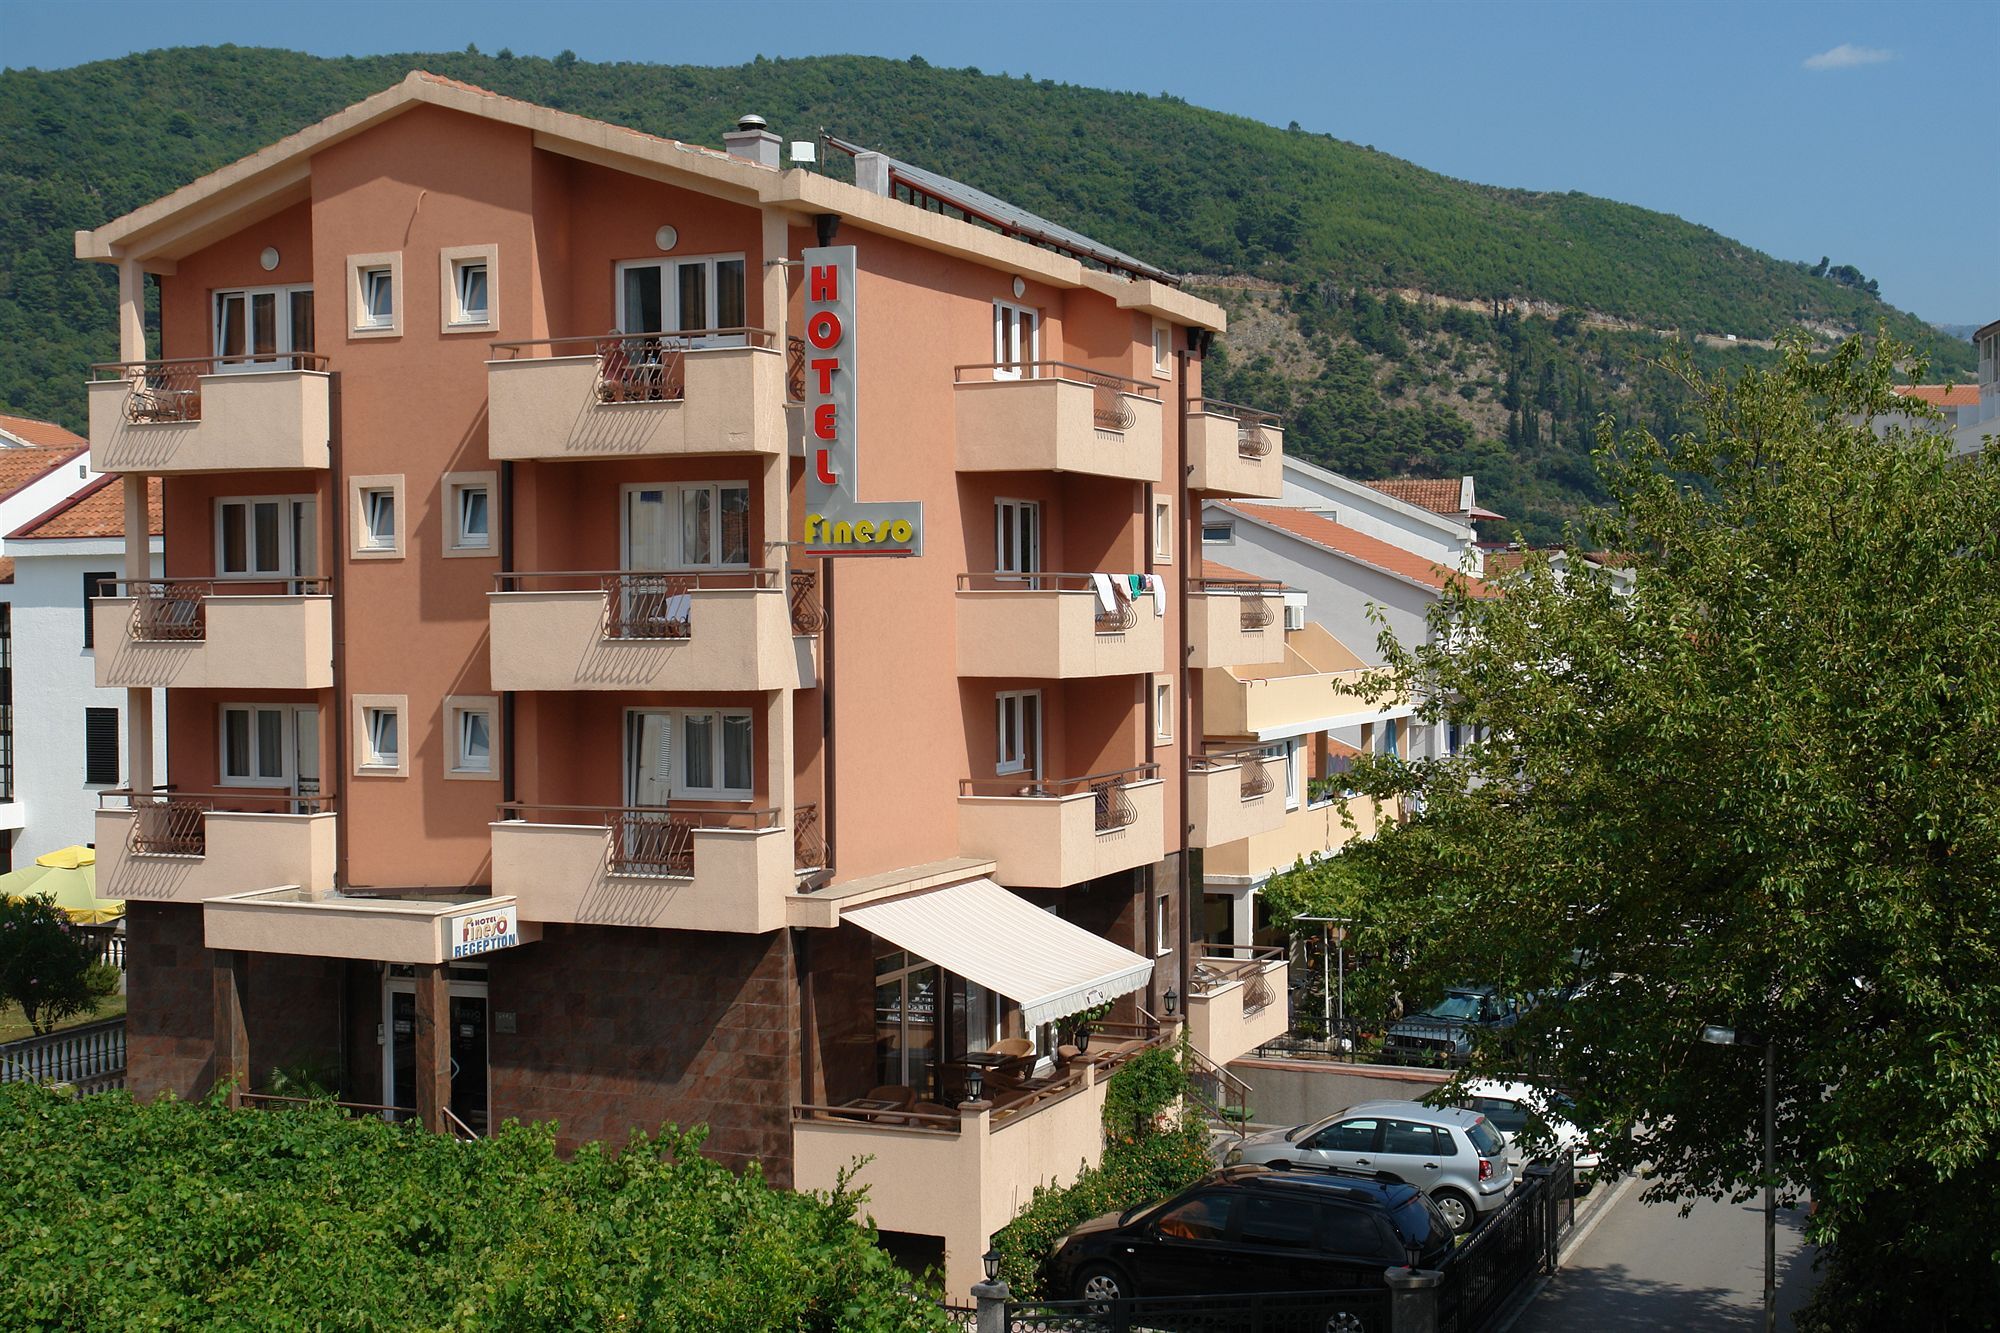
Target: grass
14, 1024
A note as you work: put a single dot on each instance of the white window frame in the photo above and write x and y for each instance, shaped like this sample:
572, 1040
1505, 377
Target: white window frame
368, 762
1011, 735
1163, 350
1163, 943
674, 497
678, 787
1163, 710
282, 346
1228, 537
453, 260
361, 323
457, 709
456, 486
283, 778
1010, 517
670, 306
1010, 356
1163, 531
1289, 751
289, 566
360, 536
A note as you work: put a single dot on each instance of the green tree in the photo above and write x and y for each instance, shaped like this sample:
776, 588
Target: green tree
47, 966
1763, 790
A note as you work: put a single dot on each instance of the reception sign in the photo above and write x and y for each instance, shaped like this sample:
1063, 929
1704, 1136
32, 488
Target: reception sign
837, 521
469, 934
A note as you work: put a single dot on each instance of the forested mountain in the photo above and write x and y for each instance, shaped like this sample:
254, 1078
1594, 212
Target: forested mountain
1554, 303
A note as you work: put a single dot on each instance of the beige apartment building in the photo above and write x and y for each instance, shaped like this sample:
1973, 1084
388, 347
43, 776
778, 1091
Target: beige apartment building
654, 633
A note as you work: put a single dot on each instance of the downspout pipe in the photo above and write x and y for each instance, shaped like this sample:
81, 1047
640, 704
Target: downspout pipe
337, 503
1190, 531
508, 794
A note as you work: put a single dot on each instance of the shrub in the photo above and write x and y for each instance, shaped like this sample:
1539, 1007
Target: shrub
47, 966
190, 1215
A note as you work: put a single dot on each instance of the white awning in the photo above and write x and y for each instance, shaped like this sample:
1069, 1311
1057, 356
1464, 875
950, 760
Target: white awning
985, 934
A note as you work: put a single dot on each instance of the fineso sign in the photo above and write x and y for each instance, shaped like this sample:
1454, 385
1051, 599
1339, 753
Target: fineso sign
837, 522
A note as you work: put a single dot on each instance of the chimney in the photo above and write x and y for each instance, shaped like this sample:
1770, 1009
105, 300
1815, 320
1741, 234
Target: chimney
752, 140
871, 172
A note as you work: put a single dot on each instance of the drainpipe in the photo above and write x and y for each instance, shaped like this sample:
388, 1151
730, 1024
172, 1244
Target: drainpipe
1190, 531
507, 792
337, 502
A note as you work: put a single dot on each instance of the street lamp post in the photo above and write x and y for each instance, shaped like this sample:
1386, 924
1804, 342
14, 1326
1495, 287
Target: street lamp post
1716, 1035
1332, 945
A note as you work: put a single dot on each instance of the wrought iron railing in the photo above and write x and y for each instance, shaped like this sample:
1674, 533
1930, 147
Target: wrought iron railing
1255, 428
808, 617
1253, 763
168, 825
1119, 617
169, 612
808, 838
646, 604
795, 369
166, 390
1253, 597
1107, 790
646, 841
1114, 808
1111, 407
642, 367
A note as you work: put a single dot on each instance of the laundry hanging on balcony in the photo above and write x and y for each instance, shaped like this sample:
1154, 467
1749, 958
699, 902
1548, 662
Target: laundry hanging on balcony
1005, 943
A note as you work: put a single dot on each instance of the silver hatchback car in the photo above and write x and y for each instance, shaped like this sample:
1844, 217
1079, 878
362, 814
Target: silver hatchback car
1452, 1154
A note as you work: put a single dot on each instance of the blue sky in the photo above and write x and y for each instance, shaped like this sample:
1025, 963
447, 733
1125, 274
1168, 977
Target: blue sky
1849, 130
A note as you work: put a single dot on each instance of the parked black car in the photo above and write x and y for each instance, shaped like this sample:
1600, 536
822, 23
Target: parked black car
1442, 1034
1250, 1228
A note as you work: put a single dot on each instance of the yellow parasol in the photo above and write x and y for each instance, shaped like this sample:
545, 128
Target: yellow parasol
70, 875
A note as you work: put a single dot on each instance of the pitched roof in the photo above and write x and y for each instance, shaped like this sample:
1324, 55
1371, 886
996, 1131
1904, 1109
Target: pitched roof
6, 569
1940, 395
1440, 495
20, 467
98, 510
1211, 570
1342, 540
30, 431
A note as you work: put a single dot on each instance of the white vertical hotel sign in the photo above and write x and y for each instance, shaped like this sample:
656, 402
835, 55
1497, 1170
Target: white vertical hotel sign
837, 522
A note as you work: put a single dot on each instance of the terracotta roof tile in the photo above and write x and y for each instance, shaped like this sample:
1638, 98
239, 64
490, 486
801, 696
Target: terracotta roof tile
6, 569
1941, 395
1440, 495
19, 467
98, 510
1323, 532
39, 432
1211, 570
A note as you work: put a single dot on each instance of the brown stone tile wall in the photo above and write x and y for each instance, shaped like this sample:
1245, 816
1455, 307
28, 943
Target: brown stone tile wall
841, 963
169, 1016
621, 1028
293, 1016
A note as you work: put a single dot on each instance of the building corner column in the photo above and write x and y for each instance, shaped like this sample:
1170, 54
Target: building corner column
131, 310
138, 568
230, 974
433, 1045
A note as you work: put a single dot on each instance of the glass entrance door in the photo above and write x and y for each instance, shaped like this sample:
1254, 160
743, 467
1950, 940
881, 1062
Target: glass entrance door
906, 1023
467, 1045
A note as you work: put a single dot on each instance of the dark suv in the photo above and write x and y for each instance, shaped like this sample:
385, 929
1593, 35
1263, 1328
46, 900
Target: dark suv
1249, 1228
1442, 1034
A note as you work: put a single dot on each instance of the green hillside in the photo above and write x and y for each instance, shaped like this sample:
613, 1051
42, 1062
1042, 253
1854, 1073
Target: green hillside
1191, 190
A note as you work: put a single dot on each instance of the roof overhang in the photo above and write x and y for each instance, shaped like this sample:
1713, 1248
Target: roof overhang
386, 929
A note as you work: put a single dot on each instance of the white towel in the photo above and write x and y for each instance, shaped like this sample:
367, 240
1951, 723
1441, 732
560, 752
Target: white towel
1107, 597
678, 606
1158, 586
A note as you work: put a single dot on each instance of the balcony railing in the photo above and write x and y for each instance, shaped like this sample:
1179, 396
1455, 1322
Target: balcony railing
808, 617
658, 842
1107, 790
176, 610
169, 390
1122, 616
1255, 612
1255, 429
795, 370
1109, 410
166, 822
808, 838
1222, 965
1256, 773
642, 604
641, 367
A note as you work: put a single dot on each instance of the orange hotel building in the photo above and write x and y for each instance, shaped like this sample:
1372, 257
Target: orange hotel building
525, 761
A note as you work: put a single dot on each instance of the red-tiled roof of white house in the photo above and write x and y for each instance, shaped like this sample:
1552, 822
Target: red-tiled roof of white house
1940, 395
28, 430
1377, 554
98, 510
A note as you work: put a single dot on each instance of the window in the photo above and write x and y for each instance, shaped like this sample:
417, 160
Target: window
468, 528
1389, 742
1351, 1231
1289, 751
1451, 738
1017, 340
1291, 1224
379, 518
1406, 1139
470, 725
254, 746
1204, 1217
706, 754
261, 325
375, 295
1218, 534
1163, 712
100, 747
264, 536
1163, 531
1163, 350
1019, 746
696, 295
1017, 536
381, 746
700, 525
1346, 1136
467, 276
1163, 933
96, 584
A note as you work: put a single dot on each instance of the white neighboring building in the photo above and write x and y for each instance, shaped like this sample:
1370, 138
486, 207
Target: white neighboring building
68, 734
1391, 511
1982, 419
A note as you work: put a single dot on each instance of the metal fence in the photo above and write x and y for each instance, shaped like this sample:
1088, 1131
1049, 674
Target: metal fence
1363, 1310
90, 1058
1511, 1248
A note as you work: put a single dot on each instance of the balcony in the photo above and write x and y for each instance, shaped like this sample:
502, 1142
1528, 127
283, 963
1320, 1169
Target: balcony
963, 1173
1055, 627
188, 847
1233, 795
1320, 828
1235, 622
1051, 834
1237, 1000
739, 629
671, 868
1057, 417
190, 415
649, 395
1234, 450
215, 634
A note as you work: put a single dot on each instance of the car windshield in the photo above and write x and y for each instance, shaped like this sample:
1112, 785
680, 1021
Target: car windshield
1484, 1139
1455, 1005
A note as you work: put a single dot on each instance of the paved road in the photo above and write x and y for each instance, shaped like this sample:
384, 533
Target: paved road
1647, 1267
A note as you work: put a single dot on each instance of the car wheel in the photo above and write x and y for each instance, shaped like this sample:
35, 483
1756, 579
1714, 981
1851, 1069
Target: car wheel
1102, 1282
1459, 1214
